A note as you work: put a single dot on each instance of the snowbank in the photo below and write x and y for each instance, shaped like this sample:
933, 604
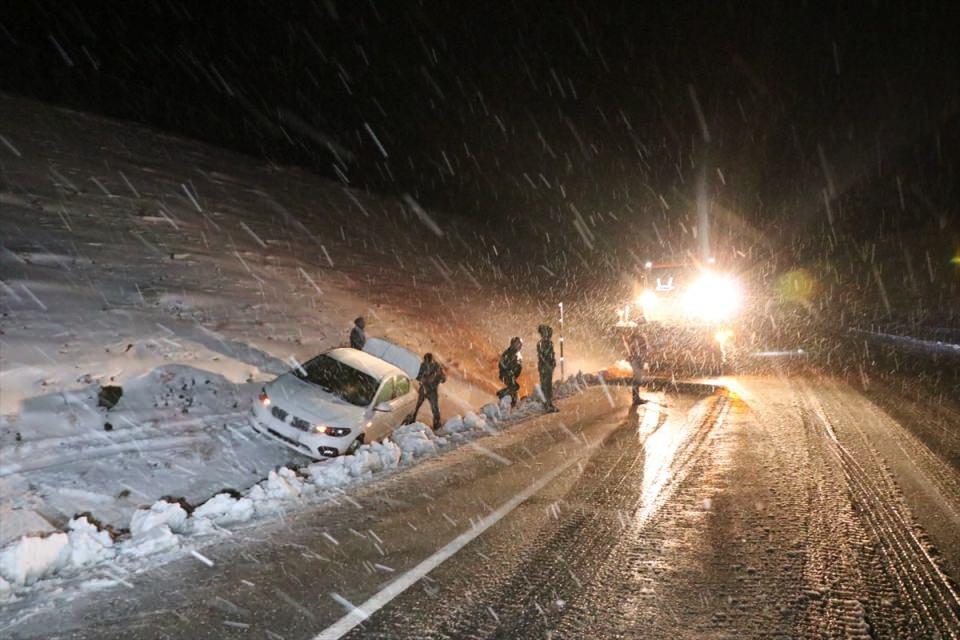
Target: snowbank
152, 541
33, 557
366, 461
224, 509
416, 441
88, 544
159, 514
161, 527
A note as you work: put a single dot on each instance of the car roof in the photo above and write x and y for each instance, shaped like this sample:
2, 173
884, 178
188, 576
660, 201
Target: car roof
363, 361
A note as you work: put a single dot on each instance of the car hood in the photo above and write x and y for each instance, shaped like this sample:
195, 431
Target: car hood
310, 402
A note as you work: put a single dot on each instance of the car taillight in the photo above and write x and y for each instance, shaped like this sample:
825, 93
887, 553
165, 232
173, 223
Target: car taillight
264, 398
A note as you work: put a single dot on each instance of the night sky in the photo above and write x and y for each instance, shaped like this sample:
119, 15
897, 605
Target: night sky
515, 114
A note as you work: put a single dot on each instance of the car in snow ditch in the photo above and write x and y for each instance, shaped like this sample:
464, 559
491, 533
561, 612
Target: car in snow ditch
333, 403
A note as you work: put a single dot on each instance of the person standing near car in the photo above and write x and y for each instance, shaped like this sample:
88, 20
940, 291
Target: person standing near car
510, 366
637, 348
430, 377
546, 363
358, 337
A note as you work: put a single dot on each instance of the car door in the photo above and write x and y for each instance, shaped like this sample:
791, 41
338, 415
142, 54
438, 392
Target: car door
382, 422
403, 400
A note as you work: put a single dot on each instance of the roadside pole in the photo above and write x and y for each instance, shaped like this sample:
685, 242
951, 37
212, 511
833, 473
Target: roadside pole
561, 343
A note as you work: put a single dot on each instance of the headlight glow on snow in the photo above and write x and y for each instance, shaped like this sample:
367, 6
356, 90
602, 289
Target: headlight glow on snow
264, 398
647, 300
713, 297
723, 336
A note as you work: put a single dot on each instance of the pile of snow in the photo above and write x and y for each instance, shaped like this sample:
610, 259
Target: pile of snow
366, 461
6, 591
222, 509
455, 425
416, 441
88, 544
161, 513
280, 486
492, 411
154, 530
473, 421
34, 557
152, 541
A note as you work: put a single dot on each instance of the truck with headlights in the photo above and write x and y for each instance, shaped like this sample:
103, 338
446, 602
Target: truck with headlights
689, 312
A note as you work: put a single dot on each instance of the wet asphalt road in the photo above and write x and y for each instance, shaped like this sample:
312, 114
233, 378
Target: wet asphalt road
767, 511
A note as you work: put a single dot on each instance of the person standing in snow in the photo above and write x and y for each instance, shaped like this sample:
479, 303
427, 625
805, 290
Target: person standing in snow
430, 377
546, 363
357, 336
637, 347
510, 368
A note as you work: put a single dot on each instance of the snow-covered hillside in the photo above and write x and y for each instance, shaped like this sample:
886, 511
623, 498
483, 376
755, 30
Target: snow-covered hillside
187, 275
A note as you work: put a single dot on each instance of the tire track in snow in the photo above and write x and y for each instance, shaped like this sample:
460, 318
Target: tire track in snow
921, 582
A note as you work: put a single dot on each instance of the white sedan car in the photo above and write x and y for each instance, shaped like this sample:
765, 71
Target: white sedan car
340, 399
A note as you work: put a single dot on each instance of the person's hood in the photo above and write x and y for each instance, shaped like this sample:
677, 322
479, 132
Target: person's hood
309, 402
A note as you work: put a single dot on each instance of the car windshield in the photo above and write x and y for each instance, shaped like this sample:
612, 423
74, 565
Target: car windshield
339, 379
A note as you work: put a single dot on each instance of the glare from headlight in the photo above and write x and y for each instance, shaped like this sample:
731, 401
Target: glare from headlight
712, 298
647, 299
723, 336
264, 398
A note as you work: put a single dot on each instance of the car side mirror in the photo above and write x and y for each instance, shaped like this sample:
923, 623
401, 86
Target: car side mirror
383, 407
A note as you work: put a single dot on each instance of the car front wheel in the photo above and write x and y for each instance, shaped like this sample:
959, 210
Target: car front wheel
356, 444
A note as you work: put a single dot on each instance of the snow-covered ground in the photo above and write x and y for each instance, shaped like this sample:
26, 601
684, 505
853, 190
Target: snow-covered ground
187, 276
96, 550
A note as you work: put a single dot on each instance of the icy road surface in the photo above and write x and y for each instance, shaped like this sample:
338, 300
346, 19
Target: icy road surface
790, 508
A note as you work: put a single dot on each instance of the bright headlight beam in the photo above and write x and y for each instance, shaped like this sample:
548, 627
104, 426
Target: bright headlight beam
712, 298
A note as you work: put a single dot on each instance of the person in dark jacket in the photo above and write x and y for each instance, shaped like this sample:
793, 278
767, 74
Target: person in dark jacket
546, 363
357, 336
510, 368
637, 347
430, 377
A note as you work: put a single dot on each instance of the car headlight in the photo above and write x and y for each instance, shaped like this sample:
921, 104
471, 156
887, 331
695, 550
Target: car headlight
264, 398
336, 432
712, 298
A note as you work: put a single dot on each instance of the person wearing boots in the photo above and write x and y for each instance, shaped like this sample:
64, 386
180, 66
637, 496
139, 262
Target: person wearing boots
430, 377
511, 366
546, 363
637, 348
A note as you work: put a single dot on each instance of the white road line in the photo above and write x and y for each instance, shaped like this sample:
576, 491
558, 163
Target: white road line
380, 599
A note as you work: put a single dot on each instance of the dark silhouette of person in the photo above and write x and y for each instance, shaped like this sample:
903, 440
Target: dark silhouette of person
510, 368
546, 363
358, 337
637, 348
430, 376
